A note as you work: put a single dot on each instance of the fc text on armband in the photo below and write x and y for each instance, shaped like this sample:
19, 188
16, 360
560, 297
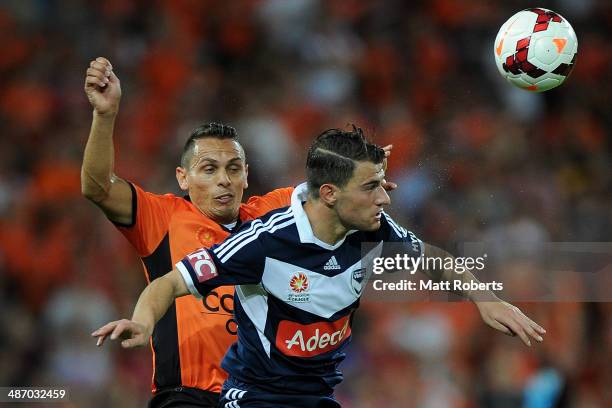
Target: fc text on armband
202, 264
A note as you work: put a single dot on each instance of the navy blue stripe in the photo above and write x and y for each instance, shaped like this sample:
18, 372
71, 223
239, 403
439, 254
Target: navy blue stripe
165, 334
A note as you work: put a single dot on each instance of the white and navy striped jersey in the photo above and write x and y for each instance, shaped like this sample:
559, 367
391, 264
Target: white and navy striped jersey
295, 295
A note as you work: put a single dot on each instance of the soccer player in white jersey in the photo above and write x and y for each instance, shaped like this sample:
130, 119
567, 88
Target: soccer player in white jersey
299, 272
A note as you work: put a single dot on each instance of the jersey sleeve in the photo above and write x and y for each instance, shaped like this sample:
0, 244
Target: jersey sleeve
150, 218
406, 241
239, 260
259, 205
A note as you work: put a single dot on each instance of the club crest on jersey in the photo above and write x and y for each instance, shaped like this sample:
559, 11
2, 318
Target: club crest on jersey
204, 236
357, 280
332, 264
298, 288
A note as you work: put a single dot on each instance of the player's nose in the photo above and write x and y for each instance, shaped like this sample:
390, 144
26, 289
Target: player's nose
382, 197
224, 178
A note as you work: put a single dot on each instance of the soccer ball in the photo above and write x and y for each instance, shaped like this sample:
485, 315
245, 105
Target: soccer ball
535, 49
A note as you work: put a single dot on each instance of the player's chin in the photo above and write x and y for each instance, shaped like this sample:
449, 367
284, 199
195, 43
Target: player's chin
226, 211
371, 226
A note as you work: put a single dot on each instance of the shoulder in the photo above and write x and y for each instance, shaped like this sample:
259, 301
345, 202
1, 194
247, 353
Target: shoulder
391, 229
140, 192
256, 237
259, 228
258, 206
270, 222
388, 224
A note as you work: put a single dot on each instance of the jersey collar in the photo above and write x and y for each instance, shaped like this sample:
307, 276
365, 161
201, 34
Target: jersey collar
302, 223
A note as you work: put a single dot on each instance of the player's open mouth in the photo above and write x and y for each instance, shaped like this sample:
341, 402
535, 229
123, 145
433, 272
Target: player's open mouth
224, 198
378, 215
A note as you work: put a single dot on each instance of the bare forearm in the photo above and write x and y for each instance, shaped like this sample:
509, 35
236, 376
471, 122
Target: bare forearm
154, 302
98, 158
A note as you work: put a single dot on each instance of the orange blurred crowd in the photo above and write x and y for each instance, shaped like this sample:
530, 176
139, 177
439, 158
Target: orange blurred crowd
475, 159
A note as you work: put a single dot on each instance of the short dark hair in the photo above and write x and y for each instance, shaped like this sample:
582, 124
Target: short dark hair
333, 155
213, 130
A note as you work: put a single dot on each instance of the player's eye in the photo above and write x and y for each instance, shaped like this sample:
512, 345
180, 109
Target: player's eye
234, 169
209, 169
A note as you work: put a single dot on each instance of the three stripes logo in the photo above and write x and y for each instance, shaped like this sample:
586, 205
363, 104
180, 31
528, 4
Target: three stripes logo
233, 396
332, 264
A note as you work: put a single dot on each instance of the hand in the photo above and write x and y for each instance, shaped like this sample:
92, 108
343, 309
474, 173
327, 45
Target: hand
510, 320
102, 87
133, 334
387, 185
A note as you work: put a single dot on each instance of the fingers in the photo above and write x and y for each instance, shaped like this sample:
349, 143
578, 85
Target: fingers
531, 332
101, 62
518, 330
502, 328
114, 329
137, 341
511, 320
124, 327
100, 341
113, 78
507, 318
388, 185
103, 332
537, 327
520, 325
97, 78
533, 324
388, 149
106, 329
528, 325
98, 73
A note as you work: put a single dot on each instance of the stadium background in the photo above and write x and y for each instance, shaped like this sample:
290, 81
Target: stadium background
475, 159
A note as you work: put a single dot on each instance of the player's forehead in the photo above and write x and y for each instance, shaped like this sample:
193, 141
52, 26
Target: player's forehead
217, 150
366, 172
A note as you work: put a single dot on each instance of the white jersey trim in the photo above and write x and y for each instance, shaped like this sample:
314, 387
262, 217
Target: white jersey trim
254, 301
272, 228
255, 226
188, 281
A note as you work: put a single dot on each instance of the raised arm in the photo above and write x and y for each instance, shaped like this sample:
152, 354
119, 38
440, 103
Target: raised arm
152, 304
495, 312
99, 183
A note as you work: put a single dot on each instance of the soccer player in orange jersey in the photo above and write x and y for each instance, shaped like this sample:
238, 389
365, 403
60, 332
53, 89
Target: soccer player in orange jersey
190, 340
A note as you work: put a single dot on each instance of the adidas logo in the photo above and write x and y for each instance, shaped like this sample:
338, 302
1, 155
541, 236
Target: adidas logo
332, 264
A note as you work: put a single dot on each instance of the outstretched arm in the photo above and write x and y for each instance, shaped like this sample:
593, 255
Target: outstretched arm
99, 184
152, 304
495, 312
197, 273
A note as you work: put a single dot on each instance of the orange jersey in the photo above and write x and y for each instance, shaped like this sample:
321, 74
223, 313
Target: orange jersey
191, 339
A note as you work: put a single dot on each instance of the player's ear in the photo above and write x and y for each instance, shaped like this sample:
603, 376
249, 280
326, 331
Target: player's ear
328, 193
181, 177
